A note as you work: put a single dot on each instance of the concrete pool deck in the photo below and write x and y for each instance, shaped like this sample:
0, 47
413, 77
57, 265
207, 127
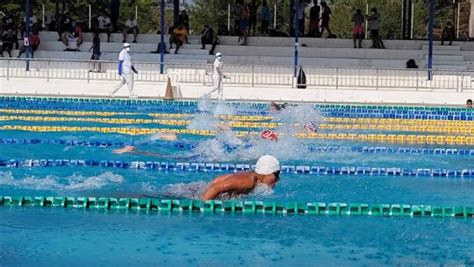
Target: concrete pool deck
148, 90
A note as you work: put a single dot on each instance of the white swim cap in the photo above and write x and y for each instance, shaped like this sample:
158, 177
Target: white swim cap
125, 45
218, 54
267, 165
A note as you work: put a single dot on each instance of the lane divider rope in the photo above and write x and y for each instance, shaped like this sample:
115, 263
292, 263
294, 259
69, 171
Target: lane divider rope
380, 138
192, 145
230, 167
246, 118
245, 207
236, 124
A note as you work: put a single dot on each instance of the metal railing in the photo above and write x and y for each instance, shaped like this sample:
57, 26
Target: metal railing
248, 75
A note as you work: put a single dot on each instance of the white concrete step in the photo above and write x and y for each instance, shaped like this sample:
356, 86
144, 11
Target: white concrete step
446, 58
449, 67
443, 47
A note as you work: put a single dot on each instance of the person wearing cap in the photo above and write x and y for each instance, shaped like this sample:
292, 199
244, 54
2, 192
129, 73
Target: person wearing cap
217, 75
267, 171
125, 68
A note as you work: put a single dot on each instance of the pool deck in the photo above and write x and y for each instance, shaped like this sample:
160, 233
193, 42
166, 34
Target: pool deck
156, 90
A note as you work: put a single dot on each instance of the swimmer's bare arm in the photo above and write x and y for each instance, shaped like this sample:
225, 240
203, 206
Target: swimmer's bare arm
227, 183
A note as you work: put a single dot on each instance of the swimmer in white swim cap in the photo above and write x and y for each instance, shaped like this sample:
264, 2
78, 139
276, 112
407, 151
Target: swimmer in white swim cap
267, 171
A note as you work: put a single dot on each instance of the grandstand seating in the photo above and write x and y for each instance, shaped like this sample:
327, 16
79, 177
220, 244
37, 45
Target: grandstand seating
276, 51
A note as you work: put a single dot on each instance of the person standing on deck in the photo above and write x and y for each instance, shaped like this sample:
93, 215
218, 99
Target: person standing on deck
125, 68
218, 75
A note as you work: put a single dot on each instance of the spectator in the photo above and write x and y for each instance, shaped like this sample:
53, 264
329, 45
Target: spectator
9, 39
265, 18
469, 103
114, 13
179, 36
314, 20
325, 17
301, 18
239, 6
105, 25
252, 8
52, 26
70, 40
374, 25
95, 52
358, 30
208, 37
244, 22
131, 26
64, 24
448, 33
33, 43
8, 22
183, 19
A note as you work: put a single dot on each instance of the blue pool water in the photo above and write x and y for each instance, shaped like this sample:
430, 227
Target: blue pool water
45, 236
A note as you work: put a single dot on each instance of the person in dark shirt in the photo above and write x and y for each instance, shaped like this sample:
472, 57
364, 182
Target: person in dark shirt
448, 33
314, 21
95, 52
325, 17
183, 19
9, 39
208, 37
252, 6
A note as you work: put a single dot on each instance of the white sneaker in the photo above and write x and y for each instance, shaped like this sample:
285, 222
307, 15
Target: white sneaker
133, 96
112, 94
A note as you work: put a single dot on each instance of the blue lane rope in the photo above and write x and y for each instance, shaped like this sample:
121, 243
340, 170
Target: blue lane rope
231, 167
229, 148
349, 111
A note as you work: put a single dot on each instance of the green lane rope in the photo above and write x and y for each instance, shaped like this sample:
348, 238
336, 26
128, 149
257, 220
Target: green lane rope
240, 207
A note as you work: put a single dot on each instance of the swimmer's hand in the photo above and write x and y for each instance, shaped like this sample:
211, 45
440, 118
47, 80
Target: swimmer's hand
126, 149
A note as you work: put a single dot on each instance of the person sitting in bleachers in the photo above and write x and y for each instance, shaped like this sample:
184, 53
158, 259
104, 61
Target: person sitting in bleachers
179, 36
131, 26
208, 37
448, 33
9, 39
104, 24
70, 40
8, 22
33, 43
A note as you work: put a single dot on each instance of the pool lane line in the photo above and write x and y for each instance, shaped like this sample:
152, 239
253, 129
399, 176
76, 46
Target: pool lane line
265, 125
357, 120
168, 166
378, 138
442, 151
243, 207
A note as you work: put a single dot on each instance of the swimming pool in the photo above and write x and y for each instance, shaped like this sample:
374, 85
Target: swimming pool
361, 154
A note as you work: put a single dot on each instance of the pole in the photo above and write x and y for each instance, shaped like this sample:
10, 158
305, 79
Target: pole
27, 34
274, 16
43, 17
162, 37
366, 23
175, 11
457, 23
228, 17
430, 37
412, 30
136, 12
90, 16
296, 17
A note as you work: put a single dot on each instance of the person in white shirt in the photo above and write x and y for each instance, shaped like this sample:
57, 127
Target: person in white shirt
218, 75
105, 25
125, 71
131, 26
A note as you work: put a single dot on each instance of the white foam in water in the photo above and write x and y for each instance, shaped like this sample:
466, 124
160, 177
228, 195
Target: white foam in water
71, 183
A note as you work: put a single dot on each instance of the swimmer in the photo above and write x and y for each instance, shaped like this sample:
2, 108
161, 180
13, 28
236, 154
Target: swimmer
277, 107
133, 149
267, 171
269, 135
311, 127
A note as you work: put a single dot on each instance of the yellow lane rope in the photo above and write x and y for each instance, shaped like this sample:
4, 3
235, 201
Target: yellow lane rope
238, 124
380, 138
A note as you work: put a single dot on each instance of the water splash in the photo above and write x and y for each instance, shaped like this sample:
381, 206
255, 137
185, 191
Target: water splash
75, 182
